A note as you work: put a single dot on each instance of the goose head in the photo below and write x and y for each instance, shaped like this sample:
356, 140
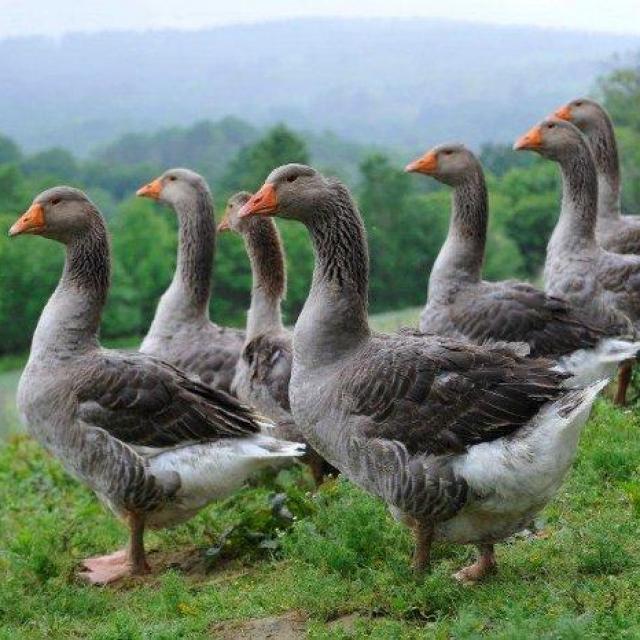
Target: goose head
60, 213
586, 114
552, 138
293, 191
174, 187
450, 164
231, 220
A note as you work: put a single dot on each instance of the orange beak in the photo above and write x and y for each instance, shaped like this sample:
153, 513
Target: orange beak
530, 140
224, 225
151, 190
427, 164
564, 113
31, 221
264, 202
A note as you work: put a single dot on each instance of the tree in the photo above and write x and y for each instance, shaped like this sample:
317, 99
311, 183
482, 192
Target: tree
144, 250
248, 170
621, 95
9, 150
52, 162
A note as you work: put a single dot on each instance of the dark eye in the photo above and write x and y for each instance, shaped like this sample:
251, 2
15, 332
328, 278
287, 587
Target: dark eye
578, 104
551, 126
172, 178
291, 178
447, 152
56, 201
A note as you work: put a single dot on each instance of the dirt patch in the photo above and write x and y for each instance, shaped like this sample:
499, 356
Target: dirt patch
346, 623
291, 626
192, 562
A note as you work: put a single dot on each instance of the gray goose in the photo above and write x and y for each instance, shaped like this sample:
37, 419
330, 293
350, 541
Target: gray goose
463, 442
461, 304
154, 445
181, 332
605, 285
264, 368
614, 232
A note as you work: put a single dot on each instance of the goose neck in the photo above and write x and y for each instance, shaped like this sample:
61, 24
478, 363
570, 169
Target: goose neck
334, 319
266, 256
462, 255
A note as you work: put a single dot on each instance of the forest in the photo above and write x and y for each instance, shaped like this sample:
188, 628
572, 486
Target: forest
406, 216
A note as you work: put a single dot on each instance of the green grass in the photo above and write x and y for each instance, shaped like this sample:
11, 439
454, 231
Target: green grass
340, 567
342, 554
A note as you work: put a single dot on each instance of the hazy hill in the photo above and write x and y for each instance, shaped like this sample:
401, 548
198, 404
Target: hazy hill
388, 82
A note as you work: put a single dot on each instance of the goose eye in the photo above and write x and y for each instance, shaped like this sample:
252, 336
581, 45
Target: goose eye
448, 152
56, 201
172, 178
291, 178
551, 126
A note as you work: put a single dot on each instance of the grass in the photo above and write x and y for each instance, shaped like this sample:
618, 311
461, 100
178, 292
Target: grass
334, 561
341, 554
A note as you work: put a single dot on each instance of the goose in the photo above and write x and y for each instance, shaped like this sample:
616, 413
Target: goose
181, 332
463, 442
614, 232
605, 285
153, 444
264, 368
461, 304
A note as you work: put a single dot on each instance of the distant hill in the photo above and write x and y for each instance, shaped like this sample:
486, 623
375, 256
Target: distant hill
403, 83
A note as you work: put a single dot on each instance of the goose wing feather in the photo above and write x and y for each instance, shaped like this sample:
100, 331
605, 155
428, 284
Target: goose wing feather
144, 401
269, 358
518, 312
440, 397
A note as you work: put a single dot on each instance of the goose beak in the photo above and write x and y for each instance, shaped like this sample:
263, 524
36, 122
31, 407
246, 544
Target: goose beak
224, 225
427, 164
151, 190
531, 140
264, 202
31, 221
564, 113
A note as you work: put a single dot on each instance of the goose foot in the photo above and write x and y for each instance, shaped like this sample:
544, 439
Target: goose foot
422, 553
102, 570
481, 568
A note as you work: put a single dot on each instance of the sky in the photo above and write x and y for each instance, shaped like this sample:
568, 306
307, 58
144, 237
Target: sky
57, 17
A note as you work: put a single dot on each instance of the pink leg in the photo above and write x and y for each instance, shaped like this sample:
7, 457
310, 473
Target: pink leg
132, 561
482, 567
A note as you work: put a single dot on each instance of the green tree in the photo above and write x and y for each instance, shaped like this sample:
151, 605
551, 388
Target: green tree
144, 249
52, 162
254, 163
9, 150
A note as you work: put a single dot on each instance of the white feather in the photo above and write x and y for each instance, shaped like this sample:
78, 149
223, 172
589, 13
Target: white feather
511, 478
212, 471
590, 365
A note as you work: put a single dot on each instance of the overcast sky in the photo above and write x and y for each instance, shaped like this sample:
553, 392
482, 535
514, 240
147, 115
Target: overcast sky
55, 17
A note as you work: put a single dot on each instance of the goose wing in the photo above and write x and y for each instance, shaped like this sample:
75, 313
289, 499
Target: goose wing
518, 312
269, 359
144, 401
438, 396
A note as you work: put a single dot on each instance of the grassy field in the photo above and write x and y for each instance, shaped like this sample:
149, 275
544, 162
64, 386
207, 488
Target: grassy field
332, 564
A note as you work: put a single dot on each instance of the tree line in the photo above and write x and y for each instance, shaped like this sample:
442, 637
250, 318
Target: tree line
406, 216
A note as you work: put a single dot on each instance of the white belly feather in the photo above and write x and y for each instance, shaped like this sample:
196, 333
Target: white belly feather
212, 471
510, 479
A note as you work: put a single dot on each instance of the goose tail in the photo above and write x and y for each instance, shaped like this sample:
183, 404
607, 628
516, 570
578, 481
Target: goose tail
588, 366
